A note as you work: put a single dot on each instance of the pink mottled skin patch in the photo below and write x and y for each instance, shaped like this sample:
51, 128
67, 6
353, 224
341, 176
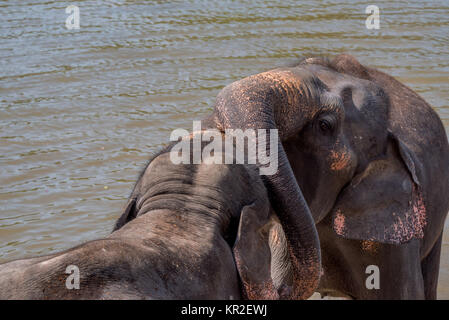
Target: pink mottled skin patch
339, 223
413, 223
370, 246
263, 291
306, 274
253, 290
340, 160
420, 214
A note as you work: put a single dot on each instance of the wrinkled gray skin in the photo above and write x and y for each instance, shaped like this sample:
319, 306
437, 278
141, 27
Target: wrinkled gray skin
360, 154
175, 240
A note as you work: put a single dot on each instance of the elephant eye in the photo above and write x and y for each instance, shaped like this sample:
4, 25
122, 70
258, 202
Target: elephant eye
325, 125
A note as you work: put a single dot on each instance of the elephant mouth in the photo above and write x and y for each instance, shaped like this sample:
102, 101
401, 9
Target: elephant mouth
340, 196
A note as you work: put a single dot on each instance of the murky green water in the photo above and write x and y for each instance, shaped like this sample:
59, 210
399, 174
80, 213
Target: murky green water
82, 110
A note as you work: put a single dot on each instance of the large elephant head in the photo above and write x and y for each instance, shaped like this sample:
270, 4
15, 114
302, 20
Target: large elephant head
335, 154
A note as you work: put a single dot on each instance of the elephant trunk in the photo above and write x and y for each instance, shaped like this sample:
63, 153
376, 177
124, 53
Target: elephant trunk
279, 99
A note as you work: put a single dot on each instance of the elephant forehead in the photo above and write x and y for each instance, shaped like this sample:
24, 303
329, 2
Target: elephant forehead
364, 93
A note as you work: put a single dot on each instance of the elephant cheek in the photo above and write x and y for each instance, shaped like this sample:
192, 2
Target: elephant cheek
341, 166
342, 162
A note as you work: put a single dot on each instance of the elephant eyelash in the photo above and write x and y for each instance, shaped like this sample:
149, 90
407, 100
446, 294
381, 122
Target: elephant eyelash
326, 123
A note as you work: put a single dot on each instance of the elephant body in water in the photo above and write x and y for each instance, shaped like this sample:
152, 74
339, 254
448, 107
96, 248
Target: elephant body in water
359, 154
188, 232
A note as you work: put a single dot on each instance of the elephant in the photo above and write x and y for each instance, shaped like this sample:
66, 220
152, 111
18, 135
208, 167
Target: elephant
370, 158
361, 181
188, 231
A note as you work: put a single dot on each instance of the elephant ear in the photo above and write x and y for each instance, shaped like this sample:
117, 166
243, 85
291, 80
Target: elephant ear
128, 214
252, 254
384, 203
411, 161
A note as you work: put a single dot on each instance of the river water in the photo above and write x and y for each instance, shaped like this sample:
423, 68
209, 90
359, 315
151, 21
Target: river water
82, 110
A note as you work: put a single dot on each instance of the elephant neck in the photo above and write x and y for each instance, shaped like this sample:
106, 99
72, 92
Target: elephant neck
206, 196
